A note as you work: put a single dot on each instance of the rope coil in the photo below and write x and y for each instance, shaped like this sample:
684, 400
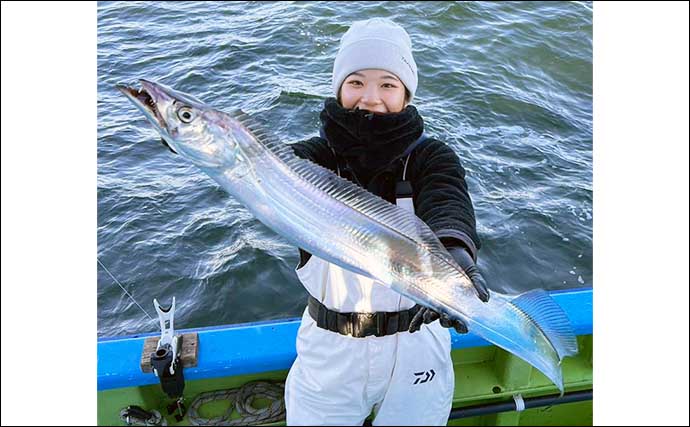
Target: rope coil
241, 399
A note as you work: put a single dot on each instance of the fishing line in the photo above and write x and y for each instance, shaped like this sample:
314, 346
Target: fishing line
125, 290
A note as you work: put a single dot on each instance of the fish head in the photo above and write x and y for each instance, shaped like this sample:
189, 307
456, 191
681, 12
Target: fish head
190, 127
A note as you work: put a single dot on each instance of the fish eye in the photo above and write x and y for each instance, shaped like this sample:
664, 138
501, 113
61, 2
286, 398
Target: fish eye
186, 114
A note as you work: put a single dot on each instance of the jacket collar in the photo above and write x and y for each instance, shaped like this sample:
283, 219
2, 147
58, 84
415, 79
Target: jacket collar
366, 141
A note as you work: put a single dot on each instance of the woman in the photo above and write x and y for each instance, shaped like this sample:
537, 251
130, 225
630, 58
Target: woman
362, 346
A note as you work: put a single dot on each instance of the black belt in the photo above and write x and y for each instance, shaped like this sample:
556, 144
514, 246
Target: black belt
360, 325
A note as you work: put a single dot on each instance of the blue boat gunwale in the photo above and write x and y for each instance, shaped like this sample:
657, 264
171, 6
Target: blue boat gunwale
268, 345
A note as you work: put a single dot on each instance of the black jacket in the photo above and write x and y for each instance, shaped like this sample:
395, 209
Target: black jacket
369, 149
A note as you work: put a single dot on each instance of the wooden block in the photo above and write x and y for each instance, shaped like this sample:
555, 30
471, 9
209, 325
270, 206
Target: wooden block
189, 351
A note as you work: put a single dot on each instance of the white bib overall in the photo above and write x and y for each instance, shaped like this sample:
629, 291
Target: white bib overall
406, 378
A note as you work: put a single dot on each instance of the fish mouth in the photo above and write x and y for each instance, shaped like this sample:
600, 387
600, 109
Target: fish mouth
144, 100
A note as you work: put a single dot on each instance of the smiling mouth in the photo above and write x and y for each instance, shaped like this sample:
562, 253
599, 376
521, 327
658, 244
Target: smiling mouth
142, 98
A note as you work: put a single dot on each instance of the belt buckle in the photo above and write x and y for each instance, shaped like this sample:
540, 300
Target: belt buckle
364, 325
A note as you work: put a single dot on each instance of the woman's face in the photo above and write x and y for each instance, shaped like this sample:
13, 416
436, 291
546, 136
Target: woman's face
375, 90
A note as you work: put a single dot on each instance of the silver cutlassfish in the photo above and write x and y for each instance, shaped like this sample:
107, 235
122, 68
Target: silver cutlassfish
342, 223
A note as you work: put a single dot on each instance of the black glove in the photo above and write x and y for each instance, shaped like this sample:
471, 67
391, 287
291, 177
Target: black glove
427, 315
464, 260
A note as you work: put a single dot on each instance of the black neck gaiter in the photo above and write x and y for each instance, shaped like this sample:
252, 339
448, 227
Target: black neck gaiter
369, 142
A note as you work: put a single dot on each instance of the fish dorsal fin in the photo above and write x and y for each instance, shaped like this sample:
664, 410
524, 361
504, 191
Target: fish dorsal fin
266, 139
391, 216
538, 306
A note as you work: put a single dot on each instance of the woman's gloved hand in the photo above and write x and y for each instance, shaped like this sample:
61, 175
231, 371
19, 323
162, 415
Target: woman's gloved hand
426, 315
464, 260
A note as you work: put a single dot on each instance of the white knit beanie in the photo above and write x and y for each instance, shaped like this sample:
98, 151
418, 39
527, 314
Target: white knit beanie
376, 43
